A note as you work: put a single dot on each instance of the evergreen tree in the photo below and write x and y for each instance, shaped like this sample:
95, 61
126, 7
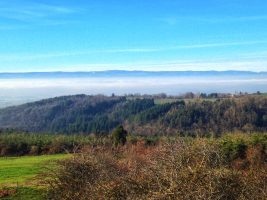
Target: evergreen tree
119, 135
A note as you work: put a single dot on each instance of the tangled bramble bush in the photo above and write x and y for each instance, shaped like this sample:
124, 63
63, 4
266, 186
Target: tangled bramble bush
196, 169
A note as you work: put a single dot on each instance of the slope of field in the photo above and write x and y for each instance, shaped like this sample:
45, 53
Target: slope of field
22, 170
18, 176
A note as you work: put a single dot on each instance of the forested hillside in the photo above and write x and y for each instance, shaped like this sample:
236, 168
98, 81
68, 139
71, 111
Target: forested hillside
101, 114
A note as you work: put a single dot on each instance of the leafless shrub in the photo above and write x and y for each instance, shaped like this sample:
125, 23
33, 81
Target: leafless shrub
181, 170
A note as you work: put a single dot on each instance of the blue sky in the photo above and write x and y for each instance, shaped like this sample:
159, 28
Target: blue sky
87, 35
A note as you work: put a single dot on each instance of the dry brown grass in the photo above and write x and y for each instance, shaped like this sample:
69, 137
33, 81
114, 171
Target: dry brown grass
179, 170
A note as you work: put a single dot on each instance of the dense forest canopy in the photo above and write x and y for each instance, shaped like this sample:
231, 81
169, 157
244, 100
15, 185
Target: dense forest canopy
101, 114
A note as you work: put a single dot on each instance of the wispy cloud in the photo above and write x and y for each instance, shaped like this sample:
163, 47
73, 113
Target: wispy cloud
226, 19
194, 65
34, 13
244, 62
210, 45
171, 65
179, 47
174, 20
41, 56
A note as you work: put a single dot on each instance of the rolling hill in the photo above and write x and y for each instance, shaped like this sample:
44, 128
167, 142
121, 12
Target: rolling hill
101, 114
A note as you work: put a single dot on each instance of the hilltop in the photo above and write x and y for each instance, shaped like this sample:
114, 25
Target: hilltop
101, 114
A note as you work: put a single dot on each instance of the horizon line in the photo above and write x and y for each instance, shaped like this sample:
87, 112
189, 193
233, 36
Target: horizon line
119, 70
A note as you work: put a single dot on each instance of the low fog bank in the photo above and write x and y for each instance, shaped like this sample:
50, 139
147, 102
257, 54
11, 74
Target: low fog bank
17, 91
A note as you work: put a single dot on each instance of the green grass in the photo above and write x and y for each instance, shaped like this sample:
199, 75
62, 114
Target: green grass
22, 170
19, 173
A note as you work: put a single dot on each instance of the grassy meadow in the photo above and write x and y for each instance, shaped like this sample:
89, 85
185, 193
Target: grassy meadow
22, 170
20, 174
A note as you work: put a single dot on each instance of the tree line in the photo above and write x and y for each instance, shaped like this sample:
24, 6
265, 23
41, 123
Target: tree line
100, 115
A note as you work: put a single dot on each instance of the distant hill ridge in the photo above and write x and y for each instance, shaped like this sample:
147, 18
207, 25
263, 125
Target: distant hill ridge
124, 73
101, 114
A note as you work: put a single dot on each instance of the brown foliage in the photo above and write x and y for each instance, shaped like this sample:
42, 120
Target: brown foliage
178, 170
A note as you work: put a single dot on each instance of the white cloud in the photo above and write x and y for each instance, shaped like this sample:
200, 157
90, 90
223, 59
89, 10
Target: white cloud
35, 13
173, 20
181, 65
41, 56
